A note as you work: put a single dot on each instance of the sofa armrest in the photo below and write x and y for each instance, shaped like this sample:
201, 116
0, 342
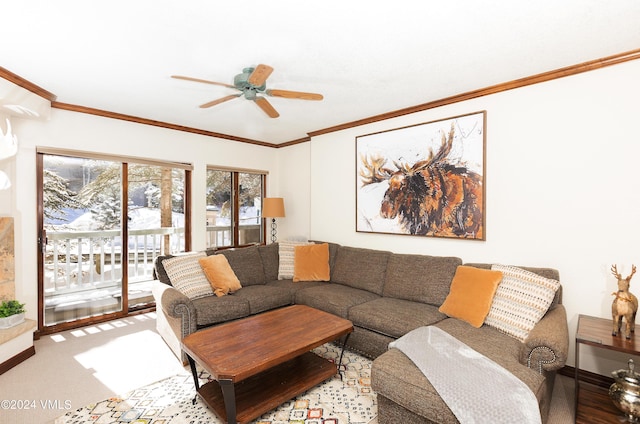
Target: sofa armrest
547, 346
178, 306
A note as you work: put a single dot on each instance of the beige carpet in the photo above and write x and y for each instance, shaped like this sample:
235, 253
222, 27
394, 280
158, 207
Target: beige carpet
75, 368
562, 404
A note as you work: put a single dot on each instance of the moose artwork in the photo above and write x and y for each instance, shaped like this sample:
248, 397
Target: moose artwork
423, 180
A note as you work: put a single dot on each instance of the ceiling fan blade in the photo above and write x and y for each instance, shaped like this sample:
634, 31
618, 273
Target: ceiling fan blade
220, 100
266, 107
259, 75
294, 94
201, 80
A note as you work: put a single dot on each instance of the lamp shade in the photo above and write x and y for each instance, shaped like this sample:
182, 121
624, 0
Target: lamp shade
273, 207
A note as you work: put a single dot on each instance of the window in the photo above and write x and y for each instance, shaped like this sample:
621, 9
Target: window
234, 200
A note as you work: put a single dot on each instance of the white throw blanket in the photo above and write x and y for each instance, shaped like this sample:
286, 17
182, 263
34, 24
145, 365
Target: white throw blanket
476, 389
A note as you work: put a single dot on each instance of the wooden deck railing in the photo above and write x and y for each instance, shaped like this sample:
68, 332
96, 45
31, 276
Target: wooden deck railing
76, 261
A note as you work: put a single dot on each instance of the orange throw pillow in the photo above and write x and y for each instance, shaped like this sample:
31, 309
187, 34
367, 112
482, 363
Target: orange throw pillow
220, 275
311, 263
471, 294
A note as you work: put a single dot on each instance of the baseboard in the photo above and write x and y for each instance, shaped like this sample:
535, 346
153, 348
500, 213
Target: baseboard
17, 359
587, 376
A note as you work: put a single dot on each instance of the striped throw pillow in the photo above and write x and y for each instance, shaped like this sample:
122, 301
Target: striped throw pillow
286, 252
521, 301
187, 275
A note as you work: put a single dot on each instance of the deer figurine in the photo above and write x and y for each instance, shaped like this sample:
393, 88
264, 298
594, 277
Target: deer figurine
624, 305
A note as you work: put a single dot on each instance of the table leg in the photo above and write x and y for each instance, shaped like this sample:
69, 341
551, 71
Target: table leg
344, 346
229, 396
194, 372
577, 377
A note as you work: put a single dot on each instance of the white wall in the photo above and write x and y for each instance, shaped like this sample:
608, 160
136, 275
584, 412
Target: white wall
293, 186
83, 132
562, 187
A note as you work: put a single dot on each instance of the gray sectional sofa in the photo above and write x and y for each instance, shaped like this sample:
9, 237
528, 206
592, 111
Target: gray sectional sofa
385, 295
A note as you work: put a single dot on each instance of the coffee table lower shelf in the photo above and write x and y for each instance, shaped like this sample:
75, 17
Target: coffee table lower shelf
266, 391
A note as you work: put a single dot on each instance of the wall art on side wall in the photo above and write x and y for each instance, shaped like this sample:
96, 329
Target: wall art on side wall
7, 260
424, 180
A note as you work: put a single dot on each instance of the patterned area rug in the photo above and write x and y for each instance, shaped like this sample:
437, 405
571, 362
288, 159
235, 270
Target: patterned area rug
349, 400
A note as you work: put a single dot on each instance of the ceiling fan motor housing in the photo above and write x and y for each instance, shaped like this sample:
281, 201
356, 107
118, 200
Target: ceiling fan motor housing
241, 81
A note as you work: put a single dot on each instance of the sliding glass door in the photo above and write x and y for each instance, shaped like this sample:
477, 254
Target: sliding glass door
97, 251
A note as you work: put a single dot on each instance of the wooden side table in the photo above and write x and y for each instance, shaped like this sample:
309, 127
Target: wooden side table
595, 406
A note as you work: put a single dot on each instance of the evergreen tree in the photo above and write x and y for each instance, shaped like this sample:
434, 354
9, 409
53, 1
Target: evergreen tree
107, 210
218, 187
57, 197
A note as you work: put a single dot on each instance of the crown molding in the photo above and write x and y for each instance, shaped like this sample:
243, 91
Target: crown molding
519, 83
27, 85
294, 142
145, 121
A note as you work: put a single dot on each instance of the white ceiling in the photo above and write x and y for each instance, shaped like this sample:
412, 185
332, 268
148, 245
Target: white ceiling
366, 57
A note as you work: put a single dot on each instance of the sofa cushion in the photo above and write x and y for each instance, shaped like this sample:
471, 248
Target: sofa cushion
220, 275
269, 257
360, 268
263, 297
394, 317
246, 263
420, 278
187, 276
212, 310
472, 291
286, 255
293, 288
521, 301
333, 298
311, 263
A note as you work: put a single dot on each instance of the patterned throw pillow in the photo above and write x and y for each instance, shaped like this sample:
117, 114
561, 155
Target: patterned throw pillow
286, 252
521, 301
187, 276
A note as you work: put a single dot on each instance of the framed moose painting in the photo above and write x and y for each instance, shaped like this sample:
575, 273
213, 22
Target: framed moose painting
423, 180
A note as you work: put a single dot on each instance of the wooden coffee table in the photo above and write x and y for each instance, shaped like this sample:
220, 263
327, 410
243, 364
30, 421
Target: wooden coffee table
262, 361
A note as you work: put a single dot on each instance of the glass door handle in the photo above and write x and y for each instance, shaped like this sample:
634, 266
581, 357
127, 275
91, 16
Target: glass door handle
42, 242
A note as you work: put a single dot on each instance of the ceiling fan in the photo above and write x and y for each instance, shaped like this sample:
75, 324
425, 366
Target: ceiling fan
252, 85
